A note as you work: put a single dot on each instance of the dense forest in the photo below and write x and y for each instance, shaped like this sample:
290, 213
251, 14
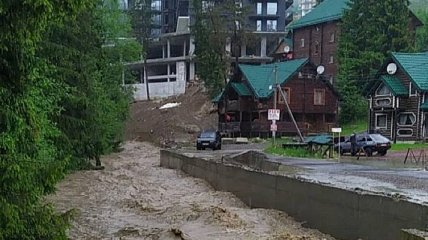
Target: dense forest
62, 102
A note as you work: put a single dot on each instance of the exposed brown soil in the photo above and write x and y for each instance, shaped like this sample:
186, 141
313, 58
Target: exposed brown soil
172, 126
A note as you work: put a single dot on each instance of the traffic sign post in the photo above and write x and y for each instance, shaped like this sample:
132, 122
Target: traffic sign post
273, 114
337, 130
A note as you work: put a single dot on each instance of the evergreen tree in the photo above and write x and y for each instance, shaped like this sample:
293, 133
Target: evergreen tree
91, 50
422, 32
31, 162
370, 30
217, 22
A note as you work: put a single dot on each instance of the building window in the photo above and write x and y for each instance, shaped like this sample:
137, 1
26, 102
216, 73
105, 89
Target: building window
259, 8
271, 25
316, 48
381, 121
412, 90
383, 102
286, 92
405, 132
302, 42
123, 4
331, 59
319, 97
332, 37
272, 8
259, 25
406, 119
157, 5
383, 90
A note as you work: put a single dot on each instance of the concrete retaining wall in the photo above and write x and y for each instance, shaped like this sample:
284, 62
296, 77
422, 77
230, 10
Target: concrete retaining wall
342, 213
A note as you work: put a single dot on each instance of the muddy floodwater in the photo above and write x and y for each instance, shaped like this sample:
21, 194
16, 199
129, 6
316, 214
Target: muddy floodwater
134, 198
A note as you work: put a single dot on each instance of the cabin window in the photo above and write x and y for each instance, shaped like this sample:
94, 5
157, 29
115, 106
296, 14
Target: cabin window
383, 102
383, 90
412, 90
302, 43
381, 121
316, 48
405, 132
286, 92
319, 97
406, 119
331, 59
332, 37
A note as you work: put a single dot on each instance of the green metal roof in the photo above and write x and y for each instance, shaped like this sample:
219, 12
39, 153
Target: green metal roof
328, 10
424, 106
395, 85
322, 139
241, 89
415, 65
217, 98
261, 77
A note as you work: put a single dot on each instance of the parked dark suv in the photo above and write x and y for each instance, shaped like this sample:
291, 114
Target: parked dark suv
208, 139
370, 143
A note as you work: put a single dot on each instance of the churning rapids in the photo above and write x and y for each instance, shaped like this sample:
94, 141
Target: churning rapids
134, 198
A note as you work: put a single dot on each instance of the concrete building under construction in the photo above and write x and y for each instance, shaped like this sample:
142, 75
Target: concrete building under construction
170, 61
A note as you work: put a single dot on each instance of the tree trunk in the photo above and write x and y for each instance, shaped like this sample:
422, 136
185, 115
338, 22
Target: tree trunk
146, 79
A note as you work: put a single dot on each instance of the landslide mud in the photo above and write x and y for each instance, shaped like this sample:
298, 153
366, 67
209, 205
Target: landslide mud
134, 198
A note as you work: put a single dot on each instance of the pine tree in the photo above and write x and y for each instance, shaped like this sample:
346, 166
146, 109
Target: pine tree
370, 30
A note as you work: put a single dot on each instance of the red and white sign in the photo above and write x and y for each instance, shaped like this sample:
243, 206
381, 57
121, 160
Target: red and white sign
273, 127
273, 114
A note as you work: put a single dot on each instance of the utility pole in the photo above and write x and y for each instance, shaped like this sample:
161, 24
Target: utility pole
274, 100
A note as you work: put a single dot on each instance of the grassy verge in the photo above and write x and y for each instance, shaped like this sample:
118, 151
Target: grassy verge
291, 152
405, 146
349, 128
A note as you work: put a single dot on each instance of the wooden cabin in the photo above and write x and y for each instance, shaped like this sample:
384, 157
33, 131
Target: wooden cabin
398, 99
244, 103
315, 35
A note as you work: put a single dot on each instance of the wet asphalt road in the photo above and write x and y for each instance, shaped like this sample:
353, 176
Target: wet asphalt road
409, 183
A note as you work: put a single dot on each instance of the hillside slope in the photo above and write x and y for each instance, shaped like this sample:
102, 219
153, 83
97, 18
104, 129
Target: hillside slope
172, 126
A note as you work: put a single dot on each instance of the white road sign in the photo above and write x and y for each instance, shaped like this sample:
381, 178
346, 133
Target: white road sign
273, 114
336, 130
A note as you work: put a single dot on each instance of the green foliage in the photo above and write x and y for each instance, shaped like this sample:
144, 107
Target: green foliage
369, 31
292, 152
61, 102
211, 29
95, 102
210, 56
405, 146
422, 32
354, 127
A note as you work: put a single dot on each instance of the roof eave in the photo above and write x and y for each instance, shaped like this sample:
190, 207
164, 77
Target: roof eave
323, 20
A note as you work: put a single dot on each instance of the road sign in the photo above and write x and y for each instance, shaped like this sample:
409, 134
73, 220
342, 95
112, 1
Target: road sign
273, 114
273, 127
336, 130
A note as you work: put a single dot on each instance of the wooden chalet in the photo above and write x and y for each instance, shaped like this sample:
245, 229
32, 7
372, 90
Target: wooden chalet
315, 35
398, 99
244, 103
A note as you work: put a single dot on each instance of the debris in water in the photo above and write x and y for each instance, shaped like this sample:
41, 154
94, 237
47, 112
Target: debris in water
170, 105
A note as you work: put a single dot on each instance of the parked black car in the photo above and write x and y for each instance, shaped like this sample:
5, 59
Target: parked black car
370, 143
208, 139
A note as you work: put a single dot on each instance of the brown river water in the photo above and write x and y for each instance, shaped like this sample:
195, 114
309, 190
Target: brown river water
135, 198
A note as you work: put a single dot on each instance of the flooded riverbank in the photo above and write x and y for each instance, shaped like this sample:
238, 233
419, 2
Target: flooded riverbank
134, 198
